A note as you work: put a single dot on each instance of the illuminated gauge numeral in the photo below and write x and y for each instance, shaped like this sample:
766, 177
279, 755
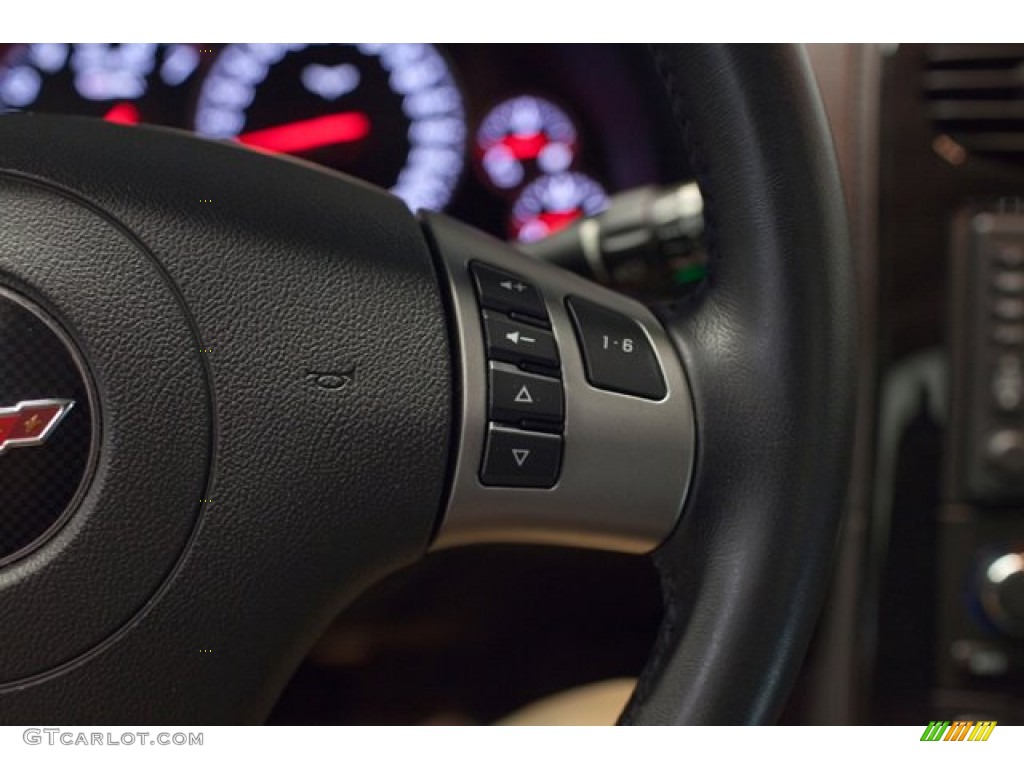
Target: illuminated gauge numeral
330, 83
521, 131
553, 202
179, 64
105, 72
390, 114
20, 86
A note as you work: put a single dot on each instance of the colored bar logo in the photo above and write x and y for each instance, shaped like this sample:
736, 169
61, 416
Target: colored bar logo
959, 730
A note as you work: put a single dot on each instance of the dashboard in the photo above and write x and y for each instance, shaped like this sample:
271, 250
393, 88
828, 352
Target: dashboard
519, 140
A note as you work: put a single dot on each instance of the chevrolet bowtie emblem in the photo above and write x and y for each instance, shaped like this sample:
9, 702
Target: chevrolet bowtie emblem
30, 422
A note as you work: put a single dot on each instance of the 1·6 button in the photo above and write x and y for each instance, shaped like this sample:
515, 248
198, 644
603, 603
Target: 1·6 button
617, 355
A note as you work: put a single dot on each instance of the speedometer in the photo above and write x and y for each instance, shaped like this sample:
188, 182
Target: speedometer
390, 114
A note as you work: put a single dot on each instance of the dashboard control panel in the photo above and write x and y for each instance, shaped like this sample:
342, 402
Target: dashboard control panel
980, 566
988, 358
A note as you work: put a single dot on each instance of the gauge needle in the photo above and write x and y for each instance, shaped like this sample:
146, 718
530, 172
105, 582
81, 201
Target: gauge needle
316, 132
525, 146
123, 113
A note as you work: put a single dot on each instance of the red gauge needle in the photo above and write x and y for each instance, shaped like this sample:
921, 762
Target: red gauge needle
556, 220
316, 132
123, 113
525, 146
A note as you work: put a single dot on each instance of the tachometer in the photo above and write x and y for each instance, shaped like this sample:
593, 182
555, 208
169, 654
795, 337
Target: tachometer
390, 114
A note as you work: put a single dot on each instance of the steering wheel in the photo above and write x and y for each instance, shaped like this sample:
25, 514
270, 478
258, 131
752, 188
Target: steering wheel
237, 390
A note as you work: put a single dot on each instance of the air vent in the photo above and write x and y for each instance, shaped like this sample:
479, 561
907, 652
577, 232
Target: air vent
976, 100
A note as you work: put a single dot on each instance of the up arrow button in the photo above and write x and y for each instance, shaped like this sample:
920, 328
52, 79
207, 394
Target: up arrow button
516, 397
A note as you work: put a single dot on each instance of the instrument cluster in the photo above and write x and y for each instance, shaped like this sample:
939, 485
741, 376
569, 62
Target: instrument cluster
519, 140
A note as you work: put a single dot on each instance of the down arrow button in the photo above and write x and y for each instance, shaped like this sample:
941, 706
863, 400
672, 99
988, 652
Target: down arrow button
518, 459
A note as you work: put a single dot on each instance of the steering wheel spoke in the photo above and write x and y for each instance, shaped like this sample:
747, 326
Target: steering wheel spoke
576, 425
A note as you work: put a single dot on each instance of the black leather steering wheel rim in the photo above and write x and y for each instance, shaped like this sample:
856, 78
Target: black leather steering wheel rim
246, 283
769, 348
